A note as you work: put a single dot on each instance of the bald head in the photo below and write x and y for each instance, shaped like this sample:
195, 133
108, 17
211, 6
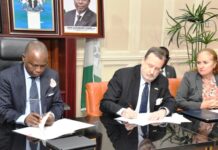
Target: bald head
35, 58
35, 46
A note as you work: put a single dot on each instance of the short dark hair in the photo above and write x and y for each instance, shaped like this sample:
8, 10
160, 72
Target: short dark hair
157, 51
167, 56
166, 50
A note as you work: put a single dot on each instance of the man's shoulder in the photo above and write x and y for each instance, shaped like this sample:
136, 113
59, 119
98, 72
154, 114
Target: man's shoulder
50, 71
169, 67
90, 12
129, 69
12, 69
69, 14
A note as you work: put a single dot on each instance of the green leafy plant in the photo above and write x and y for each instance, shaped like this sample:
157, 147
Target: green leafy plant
191, 28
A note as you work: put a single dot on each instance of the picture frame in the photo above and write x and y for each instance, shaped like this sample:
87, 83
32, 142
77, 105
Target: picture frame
91, 23
33, 16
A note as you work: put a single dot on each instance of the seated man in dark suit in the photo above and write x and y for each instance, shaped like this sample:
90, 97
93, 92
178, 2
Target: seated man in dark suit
140, 89
30, 89
168, 71
81, 16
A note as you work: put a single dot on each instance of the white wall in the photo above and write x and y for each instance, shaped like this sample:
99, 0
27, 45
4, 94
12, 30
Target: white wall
131, 28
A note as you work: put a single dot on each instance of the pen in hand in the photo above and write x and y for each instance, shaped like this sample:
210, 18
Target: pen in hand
129, 113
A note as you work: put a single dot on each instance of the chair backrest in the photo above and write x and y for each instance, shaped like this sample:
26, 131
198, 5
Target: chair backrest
11, 50
174, 85
94, 94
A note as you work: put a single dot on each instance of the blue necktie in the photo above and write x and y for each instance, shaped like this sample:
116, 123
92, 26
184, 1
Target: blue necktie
34, 105
34, 97
144, 100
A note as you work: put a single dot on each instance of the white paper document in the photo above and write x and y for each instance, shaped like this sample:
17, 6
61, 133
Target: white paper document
43, 121
214, 110
59, 128
143, 119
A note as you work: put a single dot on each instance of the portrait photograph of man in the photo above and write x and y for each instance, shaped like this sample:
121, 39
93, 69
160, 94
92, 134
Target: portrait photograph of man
80, 16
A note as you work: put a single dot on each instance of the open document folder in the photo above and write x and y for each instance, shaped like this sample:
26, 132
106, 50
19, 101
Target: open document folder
59, 128
143, 119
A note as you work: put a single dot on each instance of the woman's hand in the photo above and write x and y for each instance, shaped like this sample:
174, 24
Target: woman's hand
209, 104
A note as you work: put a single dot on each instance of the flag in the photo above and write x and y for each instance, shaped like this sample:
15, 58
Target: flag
92, 69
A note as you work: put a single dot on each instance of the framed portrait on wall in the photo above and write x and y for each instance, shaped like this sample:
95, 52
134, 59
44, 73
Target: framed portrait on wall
33, 16
83, 18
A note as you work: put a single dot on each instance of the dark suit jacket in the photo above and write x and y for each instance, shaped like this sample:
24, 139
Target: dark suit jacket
189, 94
89, 18
170, 71
13, 94
123, 91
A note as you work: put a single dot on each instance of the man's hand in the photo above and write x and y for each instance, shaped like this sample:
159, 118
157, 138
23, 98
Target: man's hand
50, 120
129, 126
33, 119
157, 115
129, 113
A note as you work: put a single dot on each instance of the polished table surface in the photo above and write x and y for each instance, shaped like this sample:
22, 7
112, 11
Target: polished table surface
164, 136
110, 135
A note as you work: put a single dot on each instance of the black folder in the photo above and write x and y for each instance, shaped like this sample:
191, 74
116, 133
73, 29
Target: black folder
71, 143
202, 114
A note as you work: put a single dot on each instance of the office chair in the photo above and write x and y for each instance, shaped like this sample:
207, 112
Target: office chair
174, 85
11, 50
94, 94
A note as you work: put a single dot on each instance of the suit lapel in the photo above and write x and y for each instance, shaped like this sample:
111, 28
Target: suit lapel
86, 18
44, 86
20, 85
73, 16
134, 85
199, 85
154, 90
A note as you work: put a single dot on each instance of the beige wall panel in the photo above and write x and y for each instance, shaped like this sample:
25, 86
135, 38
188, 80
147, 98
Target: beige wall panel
116, 24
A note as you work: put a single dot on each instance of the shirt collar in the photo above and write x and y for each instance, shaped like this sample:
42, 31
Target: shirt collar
142, 81
27, 75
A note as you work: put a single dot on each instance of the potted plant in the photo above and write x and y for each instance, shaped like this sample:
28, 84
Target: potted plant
190, 29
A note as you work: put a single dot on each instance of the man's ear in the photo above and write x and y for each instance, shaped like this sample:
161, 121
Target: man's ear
23, 58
